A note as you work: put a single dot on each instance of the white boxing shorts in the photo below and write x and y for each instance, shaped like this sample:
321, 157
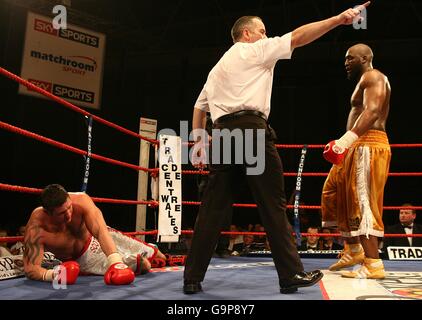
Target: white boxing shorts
93, 260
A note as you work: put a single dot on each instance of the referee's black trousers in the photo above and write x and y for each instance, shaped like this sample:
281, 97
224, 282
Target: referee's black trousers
268, 192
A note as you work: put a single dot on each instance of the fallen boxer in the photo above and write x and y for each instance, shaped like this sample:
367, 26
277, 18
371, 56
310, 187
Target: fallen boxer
72, 227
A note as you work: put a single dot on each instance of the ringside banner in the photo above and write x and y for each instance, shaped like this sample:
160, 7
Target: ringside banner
170, 189
12, 266
66, 62
404, 253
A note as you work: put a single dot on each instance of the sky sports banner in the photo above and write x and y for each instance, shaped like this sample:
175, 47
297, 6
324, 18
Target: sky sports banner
66, 62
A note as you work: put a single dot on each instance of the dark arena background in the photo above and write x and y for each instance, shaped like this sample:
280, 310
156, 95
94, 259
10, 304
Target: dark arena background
157, 57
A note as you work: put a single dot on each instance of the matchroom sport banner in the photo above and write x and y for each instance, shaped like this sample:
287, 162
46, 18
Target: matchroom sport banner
66, 62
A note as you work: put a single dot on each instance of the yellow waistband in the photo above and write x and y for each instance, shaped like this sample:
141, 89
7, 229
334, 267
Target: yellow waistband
374, 136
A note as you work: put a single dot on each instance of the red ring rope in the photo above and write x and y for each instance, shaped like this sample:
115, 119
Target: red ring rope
305, 234
26, 133
310, 174
151, 203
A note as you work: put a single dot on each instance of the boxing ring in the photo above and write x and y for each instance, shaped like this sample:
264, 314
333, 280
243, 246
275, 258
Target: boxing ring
234, 278
227, 279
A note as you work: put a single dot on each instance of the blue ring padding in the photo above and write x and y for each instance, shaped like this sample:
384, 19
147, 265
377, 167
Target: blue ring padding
298, 186
87, 157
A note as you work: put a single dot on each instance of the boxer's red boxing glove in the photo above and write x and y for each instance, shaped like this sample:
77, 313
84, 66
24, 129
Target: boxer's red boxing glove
336, 150
65, 273
334, 153
118, 273
72, 271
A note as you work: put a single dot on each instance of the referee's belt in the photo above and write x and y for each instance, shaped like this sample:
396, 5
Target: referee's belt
240, 113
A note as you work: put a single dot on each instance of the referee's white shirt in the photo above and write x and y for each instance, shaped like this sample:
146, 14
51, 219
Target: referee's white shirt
243, 78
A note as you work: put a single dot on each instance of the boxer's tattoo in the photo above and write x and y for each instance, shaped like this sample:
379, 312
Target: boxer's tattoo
32, 244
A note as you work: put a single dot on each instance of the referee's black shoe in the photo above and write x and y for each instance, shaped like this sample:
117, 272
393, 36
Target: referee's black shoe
190, 287
301, 279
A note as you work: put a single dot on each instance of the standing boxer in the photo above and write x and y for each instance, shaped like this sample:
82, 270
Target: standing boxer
353, 193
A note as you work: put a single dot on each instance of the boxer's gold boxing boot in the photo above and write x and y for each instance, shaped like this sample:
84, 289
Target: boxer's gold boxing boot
370, 269
351, 255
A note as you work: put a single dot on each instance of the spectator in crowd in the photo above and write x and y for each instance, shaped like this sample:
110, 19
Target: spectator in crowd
259, 228
18, 247
4, 251
260, 241
327, 243
248, 244
338, 240
236, 241
407, 225
310, 243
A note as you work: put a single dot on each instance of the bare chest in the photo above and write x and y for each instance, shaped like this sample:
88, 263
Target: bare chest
66, 244
356, 100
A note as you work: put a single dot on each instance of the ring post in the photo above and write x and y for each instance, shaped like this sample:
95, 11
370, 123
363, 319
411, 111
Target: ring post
148, 129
